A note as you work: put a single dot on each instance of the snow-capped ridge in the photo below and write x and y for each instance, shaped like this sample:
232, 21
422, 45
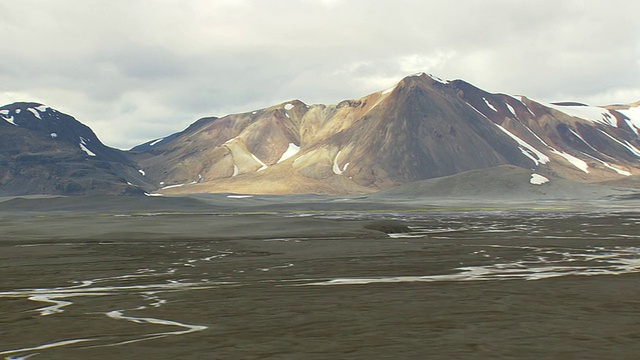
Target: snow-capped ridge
591, 113
633, 116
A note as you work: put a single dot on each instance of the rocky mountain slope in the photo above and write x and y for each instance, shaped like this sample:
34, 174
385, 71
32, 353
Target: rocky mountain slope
43, 151
422, 128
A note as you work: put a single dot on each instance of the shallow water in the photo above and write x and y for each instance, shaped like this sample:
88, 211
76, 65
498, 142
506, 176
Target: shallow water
492, 284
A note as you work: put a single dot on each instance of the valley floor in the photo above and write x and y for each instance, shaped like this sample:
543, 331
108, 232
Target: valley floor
316, 278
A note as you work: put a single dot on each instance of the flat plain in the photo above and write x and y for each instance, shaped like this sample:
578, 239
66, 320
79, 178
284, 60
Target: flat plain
317, 277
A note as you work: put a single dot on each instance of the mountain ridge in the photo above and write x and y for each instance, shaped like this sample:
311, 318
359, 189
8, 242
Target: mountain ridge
44, 151
421, 128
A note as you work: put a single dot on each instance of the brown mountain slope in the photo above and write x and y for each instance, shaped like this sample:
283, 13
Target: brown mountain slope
422, 128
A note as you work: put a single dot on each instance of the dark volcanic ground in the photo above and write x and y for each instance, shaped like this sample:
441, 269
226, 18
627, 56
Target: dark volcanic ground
197, 279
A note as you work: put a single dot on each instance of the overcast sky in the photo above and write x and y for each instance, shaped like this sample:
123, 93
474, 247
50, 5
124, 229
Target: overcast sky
135, 70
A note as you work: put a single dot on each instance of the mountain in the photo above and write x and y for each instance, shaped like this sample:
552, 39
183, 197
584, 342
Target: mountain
422, 128
43, 151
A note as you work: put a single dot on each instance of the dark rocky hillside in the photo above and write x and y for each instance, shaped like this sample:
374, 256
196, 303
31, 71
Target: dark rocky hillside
43, 151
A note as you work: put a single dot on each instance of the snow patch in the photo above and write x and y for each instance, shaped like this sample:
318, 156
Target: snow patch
619, 171
609, 166
521, 100
580, 164
527, 150
87, 151
156, 141
433, 77
478, 111
42, 108
230, 140
197, 181
582, 139
633, 127
536, 136
264, 166
513, 111
4, 112
289, 107
172, 186
336, 168
142, 172
235, 170
634, 118
591, 113
292, 150
10, 120
489, 104
538, 179
35, 113
53, 135
632, 149
239, 196
18, 111
83, 143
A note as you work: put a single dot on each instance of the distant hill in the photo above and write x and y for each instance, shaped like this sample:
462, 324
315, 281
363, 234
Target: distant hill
43, 151
505, 182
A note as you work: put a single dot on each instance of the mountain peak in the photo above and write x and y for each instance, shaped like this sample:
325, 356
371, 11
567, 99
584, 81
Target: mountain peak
11, 112
21, 105
422, 77
288, 105
420, 80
